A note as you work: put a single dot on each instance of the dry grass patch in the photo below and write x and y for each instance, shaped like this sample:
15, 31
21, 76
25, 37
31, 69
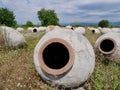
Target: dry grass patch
2, 41
17, 69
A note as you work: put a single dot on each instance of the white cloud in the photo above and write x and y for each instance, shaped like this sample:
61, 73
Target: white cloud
67, 10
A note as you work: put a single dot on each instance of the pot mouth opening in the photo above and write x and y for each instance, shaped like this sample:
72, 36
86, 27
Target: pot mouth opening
34, 30
107, 46
56, 56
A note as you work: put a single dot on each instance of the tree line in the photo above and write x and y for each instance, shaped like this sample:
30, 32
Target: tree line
46, 17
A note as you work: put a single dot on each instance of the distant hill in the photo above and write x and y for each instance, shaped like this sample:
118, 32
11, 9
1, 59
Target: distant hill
90, 24
115, 23
80, 23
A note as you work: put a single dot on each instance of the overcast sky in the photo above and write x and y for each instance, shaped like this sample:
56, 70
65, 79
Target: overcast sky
67, 10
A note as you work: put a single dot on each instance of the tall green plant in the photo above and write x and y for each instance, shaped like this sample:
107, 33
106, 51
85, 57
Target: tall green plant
7, 17
29, 24
103, 23
47, 17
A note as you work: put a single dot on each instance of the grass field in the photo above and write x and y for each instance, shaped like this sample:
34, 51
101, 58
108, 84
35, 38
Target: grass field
17, 70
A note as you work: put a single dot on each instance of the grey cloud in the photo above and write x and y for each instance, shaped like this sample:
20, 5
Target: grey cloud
67, 10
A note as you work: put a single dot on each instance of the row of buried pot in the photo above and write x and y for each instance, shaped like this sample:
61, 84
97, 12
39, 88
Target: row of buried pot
65, 57
76, 29
13, 38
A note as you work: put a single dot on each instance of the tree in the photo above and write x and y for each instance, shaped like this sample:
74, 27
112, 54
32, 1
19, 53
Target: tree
7, 17
47, 17
103, 23
29, 24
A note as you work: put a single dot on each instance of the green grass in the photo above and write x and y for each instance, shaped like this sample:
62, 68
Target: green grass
17, 70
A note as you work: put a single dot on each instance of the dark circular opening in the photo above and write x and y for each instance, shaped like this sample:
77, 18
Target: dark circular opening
56, 55
93, 31
107, 45
34, 30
